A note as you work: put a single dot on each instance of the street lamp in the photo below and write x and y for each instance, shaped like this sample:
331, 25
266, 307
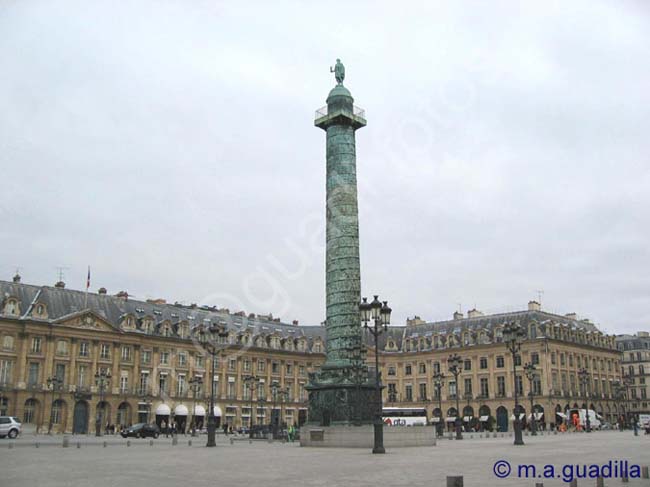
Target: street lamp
453, 364
531, 374
513, 335
210, 340
379, 317
438, 382
102, 381
583, 375
250, 381
196, 383
53, 384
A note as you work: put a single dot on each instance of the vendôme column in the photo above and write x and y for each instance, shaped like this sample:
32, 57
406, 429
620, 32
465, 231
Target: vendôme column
340, 392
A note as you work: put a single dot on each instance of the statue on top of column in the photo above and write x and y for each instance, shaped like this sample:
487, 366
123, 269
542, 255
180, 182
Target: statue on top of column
339, 71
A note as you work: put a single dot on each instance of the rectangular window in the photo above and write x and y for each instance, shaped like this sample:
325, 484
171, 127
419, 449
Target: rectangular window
409, 392
534, 358
520, 384
126, 354
146, 356
301, 370
436, 367
144, 383
468, 387
164, 357
501, 386
124, 384
261, 365
162, 384
231, 390
180, 385
198, 361
562, 359
467, 364
275, 368
518, 360
553, 360
452, 389
81, 377
6, 367
289, 369
59, 373
232, 365
105, 351
32, 378
485, 392
407, 370
391, 370
422, 368
500, 362
423, 392
36, 345
182, 359
247, 365
483, 363
392, 392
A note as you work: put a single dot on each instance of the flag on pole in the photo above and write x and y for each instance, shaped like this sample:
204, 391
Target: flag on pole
88, 279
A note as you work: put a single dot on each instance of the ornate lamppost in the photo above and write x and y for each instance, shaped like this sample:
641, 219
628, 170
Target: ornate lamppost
102, 381
453, 365
513, 335
196, 383
583, 375
379, 318
211, 342
53, 384
531, 374
438, 383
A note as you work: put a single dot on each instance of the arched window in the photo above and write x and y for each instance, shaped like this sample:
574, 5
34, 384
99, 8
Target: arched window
30, 411
12, 308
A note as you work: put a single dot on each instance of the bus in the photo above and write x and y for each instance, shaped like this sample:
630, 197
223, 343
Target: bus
404, 416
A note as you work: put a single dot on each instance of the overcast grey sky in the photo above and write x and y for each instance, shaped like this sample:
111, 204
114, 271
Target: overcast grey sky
171, 146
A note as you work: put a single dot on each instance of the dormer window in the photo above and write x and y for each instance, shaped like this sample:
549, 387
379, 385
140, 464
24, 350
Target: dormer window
40, 311
12, 308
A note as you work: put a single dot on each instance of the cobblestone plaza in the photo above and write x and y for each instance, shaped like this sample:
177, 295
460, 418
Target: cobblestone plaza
286, 464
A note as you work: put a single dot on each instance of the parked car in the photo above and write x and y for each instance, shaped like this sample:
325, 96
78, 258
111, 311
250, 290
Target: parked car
141, 430
10, 426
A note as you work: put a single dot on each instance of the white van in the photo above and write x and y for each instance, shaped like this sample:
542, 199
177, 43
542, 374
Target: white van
594, 419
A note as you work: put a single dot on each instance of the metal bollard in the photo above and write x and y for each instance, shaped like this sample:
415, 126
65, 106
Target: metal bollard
11, 445
625, 480
105, 444
174, 441
66, 442
574, 483
150, 442
600, 482
189, 442
128, 442
539, 484
455, 481
36, 444
644, 473
78, 444
232, 442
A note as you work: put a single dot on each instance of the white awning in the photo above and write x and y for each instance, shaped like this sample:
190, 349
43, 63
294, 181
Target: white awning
163, 410
217, 412
199, 410
435, 419
521, 416
561, 415
451, 419
467, 419
181, 410
484, 418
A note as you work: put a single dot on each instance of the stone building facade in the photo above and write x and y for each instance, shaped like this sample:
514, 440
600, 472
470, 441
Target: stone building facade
151, 350
636, 370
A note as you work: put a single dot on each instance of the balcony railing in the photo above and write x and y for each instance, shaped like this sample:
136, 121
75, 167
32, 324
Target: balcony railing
356, 111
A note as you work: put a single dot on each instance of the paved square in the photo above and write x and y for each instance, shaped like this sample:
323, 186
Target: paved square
277, 464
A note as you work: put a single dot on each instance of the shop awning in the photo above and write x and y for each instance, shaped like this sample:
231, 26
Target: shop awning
467, 419
561, 415
163, 410
450, 419
435, 419
181, 410
484, 418
199, 410
521, 416
217, 412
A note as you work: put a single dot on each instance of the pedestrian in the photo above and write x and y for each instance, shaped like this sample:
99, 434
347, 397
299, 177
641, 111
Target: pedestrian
163, 427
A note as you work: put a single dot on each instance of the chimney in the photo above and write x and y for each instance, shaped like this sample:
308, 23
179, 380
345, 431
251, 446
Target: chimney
458, 315
60, 284
295, 322
158, 301
102, 290
474, 313
571, 316
534, 306
17, 278
123, 295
